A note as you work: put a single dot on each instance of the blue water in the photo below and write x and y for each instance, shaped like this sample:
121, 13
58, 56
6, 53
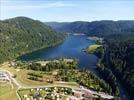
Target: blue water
70, 48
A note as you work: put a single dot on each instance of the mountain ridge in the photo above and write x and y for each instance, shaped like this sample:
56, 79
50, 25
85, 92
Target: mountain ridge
20, 35
99, 28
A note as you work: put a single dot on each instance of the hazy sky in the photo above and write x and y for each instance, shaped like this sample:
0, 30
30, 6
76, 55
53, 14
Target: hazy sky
68, 10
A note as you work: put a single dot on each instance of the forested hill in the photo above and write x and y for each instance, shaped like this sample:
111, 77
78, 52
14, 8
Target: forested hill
99, 28
120, 55
21, 35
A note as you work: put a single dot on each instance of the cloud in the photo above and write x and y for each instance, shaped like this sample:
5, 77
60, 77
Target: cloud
8, 5
60, 4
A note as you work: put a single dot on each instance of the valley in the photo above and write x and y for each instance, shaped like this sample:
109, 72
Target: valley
61, 66
66, 49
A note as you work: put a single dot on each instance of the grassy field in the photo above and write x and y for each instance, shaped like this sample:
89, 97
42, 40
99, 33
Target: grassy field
22, 77
92, 48
7, 92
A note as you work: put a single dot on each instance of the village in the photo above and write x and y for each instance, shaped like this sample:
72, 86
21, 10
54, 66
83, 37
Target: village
51, 92
54, 93
47, 93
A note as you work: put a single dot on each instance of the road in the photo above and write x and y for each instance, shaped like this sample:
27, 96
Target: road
12, 80
102, 94
51, 85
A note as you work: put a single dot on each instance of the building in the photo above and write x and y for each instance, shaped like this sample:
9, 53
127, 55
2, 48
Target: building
4, 76
77, 94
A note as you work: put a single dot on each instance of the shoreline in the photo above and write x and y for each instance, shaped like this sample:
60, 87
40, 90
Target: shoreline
79, 34
41, 48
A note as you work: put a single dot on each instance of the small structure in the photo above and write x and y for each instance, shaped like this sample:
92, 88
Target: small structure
13, 63
88, 95
31, 90
46, 88
36, 95
25, 96
77, 94
57, 97
38, 89
4, 76
55, 73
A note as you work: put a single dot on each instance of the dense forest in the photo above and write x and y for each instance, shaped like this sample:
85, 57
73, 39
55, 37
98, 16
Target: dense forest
104, 72
116, 61
21, 35
98, 28
121, 58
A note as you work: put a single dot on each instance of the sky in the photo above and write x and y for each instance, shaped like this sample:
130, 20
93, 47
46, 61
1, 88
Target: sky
68, 10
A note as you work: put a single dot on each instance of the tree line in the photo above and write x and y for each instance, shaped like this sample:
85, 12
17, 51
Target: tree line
121, 58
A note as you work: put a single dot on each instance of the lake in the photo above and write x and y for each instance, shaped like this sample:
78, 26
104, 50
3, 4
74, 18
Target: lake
70, 48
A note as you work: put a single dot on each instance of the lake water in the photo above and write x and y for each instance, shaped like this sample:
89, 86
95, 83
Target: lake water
70, 48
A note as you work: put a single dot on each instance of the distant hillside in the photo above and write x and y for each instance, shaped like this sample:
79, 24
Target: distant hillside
57, 25
100, 28
20, 35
